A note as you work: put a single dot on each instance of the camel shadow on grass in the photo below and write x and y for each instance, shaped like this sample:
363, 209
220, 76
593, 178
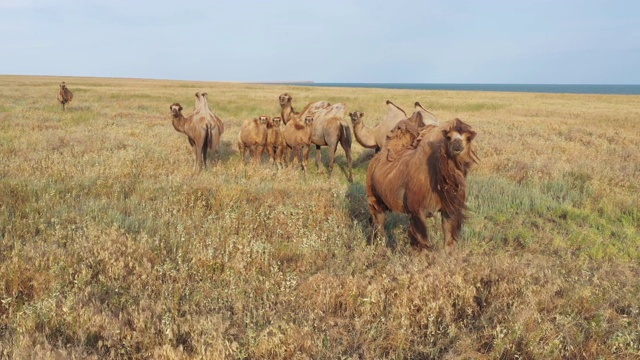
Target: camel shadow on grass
358, 207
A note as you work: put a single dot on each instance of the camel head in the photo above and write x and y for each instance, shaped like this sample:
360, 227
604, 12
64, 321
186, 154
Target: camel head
263, 119
356, 117
285, 100
63, 86
276, 121
308, 120
458, 138
176, 110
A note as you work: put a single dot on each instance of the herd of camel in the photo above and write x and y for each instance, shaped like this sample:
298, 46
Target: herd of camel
419, 167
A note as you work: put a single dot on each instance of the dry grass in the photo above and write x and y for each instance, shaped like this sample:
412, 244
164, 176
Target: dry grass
110, 248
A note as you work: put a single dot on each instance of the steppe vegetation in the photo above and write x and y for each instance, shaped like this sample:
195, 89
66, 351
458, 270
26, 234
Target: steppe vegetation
110, 247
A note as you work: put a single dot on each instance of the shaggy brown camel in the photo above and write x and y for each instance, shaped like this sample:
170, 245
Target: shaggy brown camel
275, 142
375, 138
329, 129
64, 95
253, 136
297, 135
197, 129
215, 123
423, 180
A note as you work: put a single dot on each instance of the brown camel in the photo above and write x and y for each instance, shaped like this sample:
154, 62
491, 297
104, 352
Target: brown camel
404, 134
197, 129
375, 138
423, 180
64, 95
297, 135
329, 128
275, 141
253, 136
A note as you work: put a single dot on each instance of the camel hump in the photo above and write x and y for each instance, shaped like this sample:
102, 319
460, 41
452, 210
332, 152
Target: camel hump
427, 116
394, 112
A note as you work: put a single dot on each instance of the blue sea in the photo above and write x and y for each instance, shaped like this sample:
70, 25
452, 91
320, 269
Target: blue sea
533, 88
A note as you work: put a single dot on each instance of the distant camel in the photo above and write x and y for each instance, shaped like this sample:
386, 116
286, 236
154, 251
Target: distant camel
276, 144
216, 126
64, 95
329, 128
297, 135
197, 129
375, 138
253, 136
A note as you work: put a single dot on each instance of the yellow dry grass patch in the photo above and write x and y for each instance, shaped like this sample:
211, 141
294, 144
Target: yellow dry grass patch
110, 248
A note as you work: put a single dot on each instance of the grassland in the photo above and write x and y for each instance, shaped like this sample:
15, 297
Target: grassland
110, 248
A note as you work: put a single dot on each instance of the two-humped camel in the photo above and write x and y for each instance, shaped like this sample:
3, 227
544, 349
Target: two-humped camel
253, 136
376, 138
197, 129
276, 144
215, 123
297, 135
329, 128
64, 95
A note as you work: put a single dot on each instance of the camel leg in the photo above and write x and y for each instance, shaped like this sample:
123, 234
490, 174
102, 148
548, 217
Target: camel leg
332, 156
318, 159
451, 228
419, 233
378, 217
346, 146
271, 153
243, 153
305, 156
204, 156
259, 152
197, 164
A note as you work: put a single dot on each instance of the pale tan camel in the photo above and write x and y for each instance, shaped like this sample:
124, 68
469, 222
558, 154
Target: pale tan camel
253, 136
375, 138
297, 135
197, 130
275, 141
64, 95
215, 123
329, 128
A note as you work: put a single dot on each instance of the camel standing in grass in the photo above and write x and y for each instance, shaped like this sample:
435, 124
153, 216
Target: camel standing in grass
64, 95
215, 123
275, 141
197, 129
297, 135
253, 136
329, 128
375, 138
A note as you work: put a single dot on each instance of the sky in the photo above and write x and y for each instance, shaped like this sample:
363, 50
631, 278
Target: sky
345, 41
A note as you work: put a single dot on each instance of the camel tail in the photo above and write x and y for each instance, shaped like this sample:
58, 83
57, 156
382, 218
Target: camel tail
345, 133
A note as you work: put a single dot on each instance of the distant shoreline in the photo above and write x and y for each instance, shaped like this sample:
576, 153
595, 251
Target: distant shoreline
531, 88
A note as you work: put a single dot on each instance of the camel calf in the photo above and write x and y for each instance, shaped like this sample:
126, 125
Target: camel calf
275, 141
64, 95
297, 135
253, 136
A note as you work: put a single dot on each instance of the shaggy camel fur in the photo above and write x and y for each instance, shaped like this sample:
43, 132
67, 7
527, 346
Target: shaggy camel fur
253, 136
197, 129
423, 180
64, 95
215, 123
375, 138
275, 142
297, 135
329, 129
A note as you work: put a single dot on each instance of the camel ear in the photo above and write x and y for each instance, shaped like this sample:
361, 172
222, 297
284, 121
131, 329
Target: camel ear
472, 135
361, 114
